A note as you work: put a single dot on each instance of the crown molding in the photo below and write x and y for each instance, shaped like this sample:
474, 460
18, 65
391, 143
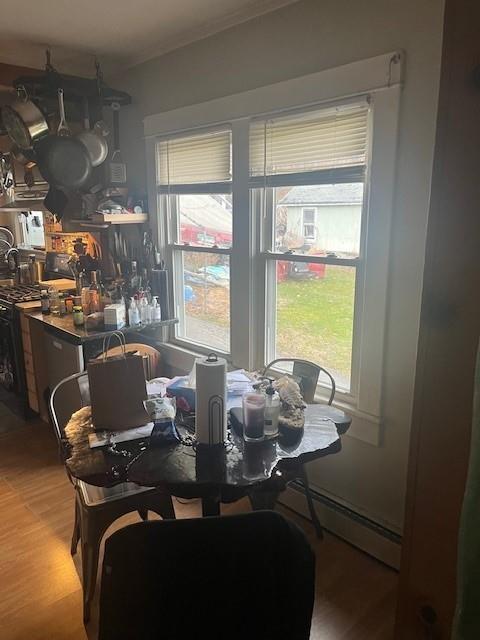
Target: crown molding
253, 10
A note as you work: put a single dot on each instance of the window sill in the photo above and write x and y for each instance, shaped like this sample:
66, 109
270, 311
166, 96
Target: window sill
364, 427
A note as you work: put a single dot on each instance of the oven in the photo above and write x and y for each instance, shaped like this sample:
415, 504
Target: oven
13, 385
10, 379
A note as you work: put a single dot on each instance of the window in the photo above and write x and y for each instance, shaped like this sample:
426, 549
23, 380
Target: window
194, 184
276, 225
309, 221
312, 253
31, 228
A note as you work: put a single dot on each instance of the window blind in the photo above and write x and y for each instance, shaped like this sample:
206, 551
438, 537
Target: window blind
195, 159
316, 146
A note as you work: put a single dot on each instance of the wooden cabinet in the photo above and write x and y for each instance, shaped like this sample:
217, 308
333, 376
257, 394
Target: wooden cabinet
35, 363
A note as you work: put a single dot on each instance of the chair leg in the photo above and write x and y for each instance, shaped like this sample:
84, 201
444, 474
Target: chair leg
143, 513
76, 531
311, 508
92, 530
165, 508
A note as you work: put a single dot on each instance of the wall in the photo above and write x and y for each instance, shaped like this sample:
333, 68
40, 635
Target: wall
302, 38
337, 227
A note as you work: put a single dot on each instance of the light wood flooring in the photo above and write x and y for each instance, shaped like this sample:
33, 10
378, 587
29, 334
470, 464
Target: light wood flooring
40, 592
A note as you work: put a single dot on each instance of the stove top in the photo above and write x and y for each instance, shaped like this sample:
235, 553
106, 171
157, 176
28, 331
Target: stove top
19, 293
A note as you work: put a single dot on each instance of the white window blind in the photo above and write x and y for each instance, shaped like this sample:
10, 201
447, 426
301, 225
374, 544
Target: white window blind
197, 159
331, 140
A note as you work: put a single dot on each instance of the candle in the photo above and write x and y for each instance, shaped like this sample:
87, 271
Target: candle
253, 416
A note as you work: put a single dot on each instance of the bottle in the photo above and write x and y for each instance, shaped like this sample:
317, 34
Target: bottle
272, 411
133, 313
54, 302
144, 311
69, 303
45, 302
94, 293
78, 318
85, 297
156, 311
61, 304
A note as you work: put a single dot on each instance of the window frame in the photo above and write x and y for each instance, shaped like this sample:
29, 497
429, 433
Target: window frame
313, 210
379, 78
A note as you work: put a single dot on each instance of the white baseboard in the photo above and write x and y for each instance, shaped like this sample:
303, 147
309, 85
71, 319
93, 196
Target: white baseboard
355, 529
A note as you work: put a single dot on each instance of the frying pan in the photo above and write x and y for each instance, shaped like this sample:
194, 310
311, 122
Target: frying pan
93, 139
63, 161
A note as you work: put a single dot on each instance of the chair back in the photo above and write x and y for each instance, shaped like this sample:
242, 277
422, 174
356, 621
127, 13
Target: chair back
151, 356
235, 577
69, 395
306, 373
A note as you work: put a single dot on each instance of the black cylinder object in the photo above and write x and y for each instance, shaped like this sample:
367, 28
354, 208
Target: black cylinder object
159, 285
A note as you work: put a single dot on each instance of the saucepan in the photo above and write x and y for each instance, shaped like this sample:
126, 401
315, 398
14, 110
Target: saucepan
24, 121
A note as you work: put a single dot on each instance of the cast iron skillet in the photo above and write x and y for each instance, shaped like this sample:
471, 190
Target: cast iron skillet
63, 161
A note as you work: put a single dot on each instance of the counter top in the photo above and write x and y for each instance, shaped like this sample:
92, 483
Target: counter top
63, 326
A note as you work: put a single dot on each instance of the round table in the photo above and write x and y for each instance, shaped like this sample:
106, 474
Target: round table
216, 474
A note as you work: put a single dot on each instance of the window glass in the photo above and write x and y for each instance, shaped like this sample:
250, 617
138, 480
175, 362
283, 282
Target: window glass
205, 304
321, 219
314, 306
205, 219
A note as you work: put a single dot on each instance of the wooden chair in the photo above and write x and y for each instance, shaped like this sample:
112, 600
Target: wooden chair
96, 508
306, 373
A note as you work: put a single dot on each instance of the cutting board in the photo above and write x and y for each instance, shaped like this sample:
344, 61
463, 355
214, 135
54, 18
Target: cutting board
62, 284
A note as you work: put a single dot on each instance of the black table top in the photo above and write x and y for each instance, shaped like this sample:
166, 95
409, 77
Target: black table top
230, 470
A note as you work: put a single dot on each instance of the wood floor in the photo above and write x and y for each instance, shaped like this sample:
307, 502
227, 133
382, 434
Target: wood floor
40, 592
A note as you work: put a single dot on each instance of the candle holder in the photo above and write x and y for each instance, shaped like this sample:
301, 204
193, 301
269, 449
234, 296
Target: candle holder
253, 416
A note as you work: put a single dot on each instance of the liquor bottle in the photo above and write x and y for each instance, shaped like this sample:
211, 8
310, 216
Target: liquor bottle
94, 293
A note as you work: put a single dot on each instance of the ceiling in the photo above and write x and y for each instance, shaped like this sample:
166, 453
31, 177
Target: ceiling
120, 33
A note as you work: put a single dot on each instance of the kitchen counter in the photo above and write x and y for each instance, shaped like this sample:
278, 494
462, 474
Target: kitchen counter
63, 326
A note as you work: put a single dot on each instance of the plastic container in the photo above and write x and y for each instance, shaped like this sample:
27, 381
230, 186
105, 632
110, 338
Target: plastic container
272, 412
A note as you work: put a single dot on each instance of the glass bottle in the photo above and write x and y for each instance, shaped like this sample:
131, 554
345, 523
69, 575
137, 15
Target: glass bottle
272, 412
94, 293
45, 302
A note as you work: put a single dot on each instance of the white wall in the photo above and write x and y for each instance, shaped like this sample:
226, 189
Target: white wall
337, 227
302, 38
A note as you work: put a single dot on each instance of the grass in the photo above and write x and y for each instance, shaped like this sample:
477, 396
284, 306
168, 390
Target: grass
314, 317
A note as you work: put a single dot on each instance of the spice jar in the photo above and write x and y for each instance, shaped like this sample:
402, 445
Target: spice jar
69, 304
78, 319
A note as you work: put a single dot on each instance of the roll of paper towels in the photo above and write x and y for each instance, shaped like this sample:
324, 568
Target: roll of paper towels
211, 400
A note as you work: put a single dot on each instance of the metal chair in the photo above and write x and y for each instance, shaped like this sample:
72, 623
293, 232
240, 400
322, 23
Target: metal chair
306, 373
96, 508
235, 576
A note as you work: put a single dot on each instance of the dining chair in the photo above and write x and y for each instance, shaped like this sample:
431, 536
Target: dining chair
306, 373
235, 576
96, 508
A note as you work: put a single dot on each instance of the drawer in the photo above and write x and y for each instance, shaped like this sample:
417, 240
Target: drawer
31, 382
24, 322
27, 342
28, 358
33, 401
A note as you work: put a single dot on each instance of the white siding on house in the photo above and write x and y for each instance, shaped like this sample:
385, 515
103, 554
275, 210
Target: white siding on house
337, 228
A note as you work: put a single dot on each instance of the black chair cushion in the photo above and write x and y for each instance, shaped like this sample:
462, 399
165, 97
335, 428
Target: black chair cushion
248, 576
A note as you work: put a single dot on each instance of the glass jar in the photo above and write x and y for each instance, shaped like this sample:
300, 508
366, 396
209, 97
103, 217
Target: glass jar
253, 416
78, 318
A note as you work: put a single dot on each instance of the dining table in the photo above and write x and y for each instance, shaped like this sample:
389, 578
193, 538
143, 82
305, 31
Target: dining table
216, 474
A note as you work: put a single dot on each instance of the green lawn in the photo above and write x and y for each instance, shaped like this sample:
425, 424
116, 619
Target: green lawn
315, 319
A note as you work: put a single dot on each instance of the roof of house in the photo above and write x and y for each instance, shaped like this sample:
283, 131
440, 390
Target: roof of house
205, 213
321, 194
